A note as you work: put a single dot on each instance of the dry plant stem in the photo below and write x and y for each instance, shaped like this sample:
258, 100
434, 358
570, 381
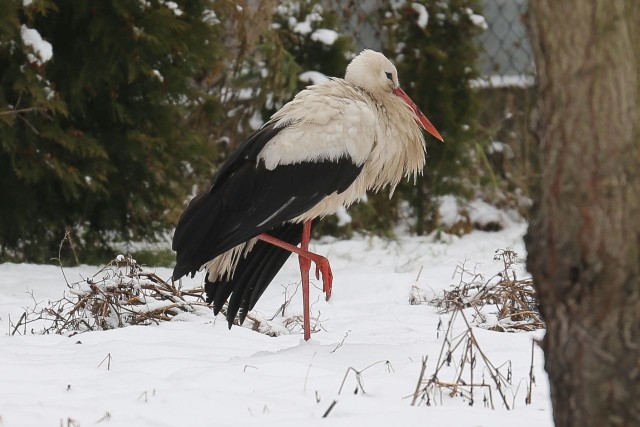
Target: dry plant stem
22, 318
59, 259
359, 374
108, 359
306, 376
287, 300
420, 379
531, 376
105, 417
341, 342
495, 374
329, 409
468, 343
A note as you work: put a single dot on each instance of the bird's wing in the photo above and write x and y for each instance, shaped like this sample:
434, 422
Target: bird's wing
252, 193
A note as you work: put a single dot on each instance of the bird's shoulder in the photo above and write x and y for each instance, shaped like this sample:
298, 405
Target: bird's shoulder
325, 121
323, 103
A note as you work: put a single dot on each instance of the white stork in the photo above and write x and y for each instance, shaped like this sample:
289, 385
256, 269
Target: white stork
324, 149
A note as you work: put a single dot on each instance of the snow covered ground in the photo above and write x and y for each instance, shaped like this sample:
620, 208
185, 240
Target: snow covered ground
193, 371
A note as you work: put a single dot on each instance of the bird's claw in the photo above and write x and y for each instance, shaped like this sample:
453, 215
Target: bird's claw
323, 267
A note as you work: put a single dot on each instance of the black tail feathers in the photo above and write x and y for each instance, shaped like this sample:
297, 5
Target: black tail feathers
252, 275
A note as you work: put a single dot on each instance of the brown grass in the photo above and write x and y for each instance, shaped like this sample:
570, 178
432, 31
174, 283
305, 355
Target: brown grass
124, 293
513, 300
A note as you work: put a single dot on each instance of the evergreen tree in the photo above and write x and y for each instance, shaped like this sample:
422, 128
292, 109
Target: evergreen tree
258, 74
96, 139
311, 34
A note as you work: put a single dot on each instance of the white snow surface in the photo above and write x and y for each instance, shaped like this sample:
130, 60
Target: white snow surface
313, 77
423, 14
194, 371
173, 6
343, 216
325, 36
303, 28
477, 20
500, 81
500, 147
42, 49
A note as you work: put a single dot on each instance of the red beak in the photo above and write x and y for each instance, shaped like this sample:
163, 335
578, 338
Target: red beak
420, 118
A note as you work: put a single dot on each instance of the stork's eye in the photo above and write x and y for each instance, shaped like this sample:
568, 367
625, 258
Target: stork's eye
389, 76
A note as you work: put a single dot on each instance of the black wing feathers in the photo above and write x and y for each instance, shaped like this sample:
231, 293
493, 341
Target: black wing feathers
250, 201
246, 153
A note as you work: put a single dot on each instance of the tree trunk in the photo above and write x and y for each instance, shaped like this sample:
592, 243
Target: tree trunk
584, 235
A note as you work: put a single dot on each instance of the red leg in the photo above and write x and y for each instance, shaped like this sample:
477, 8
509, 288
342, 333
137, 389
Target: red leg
305, 266
305, 257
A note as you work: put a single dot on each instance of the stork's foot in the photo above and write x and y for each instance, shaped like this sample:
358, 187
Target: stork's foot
323, 270
323, 267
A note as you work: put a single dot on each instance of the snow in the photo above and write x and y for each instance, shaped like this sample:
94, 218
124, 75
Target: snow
325, 36
173, 6
477, 20
499, 81
195, 371
477, 212
343, 216
448, 211
209, 17
423, 15
500, 147
157, 75
303, 28
256, 121
242, 94
41, 48
313, 77
397, 4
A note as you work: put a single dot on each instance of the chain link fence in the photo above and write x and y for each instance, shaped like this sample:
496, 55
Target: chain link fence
506, 59
506, 91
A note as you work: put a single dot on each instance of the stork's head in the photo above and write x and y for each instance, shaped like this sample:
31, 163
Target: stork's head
373, 72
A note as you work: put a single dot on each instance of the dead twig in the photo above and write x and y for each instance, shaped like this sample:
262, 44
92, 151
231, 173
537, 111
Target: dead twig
358, 374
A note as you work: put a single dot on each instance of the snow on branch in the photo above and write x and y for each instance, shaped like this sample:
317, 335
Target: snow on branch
42, 49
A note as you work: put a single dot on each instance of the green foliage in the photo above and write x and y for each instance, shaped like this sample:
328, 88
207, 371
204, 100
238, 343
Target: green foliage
155, 258
311, 34
141, 99
257, 74
96, 140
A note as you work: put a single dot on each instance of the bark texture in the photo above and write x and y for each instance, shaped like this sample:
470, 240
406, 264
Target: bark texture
584, 235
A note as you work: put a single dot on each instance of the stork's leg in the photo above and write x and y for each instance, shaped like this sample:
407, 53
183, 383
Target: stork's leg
305, 266
305, 257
